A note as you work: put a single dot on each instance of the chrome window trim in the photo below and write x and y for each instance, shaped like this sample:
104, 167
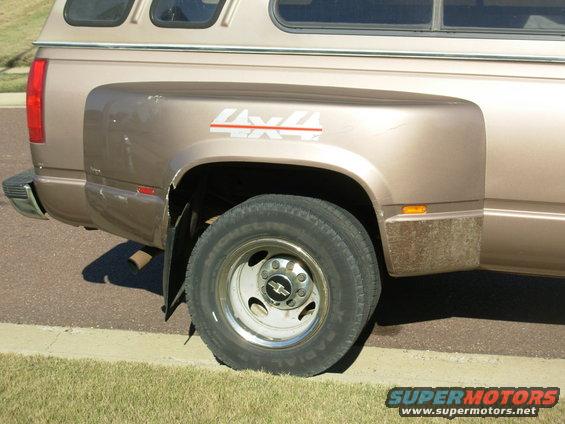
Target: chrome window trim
301, 51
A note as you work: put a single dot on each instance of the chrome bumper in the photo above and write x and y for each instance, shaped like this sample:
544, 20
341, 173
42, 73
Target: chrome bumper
19, 190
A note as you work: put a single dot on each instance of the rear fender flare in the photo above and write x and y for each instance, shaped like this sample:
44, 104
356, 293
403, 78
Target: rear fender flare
307, 154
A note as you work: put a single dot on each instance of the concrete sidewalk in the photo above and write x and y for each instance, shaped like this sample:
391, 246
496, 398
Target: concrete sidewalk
373, 365
12, 100
20, 70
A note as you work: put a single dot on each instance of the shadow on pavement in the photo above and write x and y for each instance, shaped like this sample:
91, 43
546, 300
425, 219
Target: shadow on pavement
112, 268
477, 294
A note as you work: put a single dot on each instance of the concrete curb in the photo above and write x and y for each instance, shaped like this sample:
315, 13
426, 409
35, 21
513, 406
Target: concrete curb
373, 365
12, 100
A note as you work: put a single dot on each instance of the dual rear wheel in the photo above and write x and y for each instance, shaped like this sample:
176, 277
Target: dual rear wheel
283, 284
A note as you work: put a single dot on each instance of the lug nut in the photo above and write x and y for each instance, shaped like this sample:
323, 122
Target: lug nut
264, 274
290, 266
301, 292
301, 277
291, 303
276, 265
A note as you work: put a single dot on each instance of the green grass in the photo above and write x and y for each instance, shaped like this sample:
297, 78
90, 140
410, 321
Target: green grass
12, 83
42, 390
20, 24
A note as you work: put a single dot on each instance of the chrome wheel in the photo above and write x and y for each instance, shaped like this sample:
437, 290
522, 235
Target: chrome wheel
273, 293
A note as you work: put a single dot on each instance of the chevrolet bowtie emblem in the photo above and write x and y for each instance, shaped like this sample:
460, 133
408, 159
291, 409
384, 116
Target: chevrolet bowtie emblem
278, 288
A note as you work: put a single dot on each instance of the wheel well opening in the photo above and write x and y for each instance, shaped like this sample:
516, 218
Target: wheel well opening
229, 184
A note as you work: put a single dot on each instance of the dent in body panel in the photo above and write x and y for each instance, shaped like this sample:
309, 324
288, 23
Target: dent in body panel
122, 138
126, 213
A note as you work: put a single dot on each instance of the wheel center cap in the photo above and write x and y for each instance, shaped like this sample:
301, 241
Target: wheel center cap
279, 288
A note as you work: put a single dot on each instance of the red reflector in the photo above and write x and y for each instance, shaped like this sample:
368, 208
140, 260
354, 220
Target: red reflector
34, 101
146, 190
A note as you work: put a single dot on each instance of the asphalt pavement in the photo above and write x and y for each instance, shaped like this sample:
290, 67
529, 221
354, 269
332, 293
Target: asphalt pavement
56, 275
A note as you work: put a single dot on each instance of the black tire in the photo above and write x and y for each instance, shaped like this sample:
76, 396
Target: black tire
331, 236
367, 259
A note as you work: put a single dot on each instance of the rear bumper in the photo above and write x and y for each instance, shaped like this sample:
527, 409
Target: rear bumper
20, 191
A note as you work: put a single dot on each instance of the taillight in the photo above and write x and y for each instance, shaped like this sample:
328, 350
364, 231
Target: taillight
34, 101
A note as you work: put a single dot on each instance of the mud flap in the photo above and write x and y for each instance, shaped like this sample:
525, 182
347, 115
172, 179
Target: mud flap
181, 238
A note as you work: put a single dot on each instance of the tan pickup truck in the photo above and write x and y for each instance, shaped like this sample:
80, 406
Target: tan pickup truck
280, 151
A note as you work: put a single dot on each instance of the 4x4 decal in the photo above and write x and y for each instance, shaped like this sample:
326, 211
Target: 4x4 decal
305, 125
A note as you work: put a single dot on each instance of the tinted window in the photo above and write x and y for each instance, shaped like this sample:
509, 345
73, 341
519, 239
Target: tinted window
529, 15
97, 12
186, 13
355, 13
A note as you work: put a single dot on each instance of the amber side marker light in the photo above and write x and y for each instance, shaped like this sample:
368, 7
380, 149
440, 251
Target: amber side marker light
414, 209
